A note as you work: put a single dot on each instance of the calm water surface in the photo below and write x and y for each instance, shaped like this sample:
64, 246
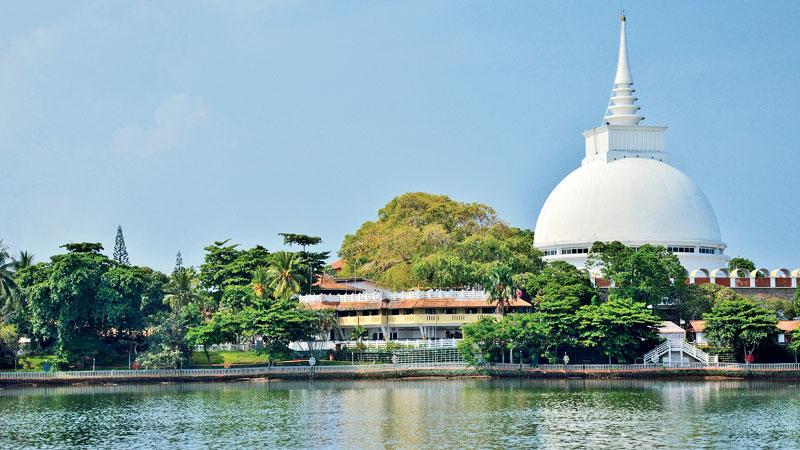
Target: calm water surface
470, 413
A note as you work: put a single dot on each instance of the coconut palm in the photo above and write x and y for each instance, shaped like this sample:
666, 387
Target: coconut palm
359, 333
8, 287
501, 287
24, 260
260, 282
284, 274
183, 289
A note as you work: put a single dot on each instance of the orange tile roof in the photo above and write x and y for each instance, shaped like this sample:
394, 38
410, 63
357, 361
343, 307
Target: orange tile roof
327, 283
338, 264
412, 304
788, 325
696, 325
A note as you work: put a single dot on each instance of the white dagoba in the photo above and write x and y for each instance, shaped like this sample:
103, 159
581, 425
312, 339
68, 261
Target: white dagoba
625, 190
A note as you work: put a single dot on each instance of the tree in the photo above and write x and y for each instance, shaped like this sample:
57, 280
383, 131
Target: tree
120, 252
86, 305
410, 227
9, 342
24, 260
226, 265
359, 333
223, 327
648, 274
525, 333
83, 247
501, 287
740, 323
8, 286
794, 346
479, 339
741, 263
183, 289
284, 274
620, 327
558, 292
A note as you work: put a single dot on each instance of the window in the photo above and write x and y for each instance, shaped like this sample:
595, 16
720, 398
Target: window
408, 311
707, 250
487, 310
450, 311
678, 249
430, 311
574, 250
395, 312
472, 310
550, 252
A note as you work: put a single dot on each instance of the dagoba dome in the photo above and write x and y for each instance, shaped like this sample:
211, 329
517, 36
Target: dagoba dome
625, 190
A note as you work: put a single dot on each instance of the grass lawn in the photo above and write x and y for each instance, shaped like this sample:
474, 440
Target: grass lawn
235, 358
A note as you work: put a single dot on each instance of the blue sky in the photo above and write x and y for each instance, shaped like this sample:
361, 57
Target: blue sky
189, 122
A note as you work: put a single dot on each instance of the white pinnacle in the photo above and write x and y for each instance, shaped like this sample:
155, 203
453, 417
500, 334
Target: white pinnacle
622, 108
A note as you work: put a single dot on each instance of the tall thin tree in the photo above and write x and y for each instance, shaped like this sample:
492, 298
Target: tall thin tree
178, 261
120, 252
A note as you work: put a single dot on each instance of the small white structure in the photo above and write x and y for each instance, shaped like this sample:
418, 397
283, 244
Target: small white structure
675, 349
625, 190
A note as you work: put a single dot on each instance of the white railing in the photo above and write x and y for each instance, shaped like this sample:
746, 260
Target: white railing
406, 344
225, 348
668, 346
345, 370
377, 296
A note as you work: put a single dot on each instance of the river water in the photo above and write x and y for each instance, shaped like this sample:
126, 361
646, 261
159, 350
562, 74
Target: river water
436, 413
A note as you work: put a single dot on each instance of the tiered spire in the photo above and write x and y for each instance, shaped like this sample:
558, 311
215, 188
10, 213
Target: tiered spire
622, 109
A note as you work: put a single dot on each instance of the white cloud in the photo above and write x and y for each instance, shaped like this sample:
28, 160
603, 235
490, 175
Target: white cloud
177, 119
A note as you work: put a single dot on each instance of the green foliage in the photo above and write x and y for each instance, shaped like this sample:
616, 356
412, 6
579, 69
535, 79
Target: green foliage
558, 292
697, 299
302, 240
9, 340
284, 274
741, 263
784, 309
648, 274
120, 251
431, 240
8, 286
359, 333
621, 327
794, 346
83, 247
225, 265
161, 358
479, 339
740, 323
84, 303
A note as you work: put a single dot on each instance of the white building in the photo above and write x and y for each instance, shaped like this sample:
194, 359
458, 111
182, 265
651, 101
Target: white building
626, 190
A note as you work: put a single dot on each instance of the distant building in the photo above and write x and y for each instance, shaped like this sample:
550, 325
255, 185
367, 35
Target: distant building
626, 190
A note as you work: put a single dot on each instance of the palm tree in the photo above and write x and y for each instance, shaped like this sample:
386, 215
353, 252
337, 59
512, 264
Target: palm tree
8, 287
183, 289
284, 275
24, 260
359, 333
501, 287
260, 282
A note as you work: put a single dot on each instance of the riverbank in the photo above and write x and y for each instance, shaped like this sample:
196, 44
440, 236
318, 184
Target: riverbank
395, 371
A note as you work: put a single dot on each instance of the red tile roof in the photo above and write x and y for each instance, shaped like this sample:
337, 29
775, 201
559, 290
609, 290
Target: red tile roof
338, 264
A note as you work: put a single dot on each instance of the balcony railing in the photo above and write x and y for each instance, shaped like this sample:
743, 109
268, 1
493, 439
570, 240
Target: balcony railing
377, 296
412, 319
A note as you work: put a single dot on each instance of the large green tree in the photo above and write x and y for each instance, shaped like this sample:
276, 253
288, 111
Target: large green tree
431, 240
620, 327
87, 305
648, 274
741, 263
558, 292
740, 323
226, 265
7, 284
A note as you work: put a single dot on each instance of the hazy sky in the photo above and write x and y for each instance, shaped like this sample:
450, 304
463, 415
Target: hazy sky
189, 122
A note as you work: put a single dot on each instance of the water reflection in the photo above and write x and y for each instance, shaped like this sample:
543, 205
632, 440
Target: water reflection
437, 413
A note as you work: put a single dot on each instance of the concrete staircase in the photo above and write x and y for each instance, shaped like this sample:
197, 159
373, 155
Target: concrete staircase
678, 351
